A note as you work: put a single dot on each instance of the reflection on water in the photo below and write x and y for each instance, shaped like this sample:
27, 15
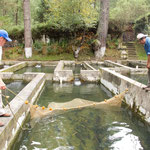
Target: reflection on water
84, 129
16, 86
37, 68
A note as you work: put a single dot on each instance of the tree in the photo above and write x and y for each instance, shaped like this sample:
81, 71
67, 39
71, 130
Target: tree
27, 28
41, 11
127, 11
71, 14
100, 43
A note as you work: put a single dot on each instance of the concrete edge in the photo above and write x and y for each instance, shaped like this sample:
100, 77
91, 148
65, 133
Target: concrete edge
21, 110
136, 98
14, 67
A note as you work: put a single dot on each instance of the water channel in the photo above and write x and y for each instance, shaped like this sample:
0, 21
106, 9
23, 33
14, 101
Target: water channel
83, 129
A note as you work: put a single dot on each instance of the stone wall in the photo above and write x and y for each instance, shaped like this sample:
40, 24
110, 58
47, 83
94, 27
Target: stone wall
61, 75
136, 98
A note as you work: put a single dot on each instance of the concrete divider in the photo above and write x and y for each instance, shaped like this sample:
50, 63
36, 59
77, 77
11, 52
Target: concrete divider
88, 66
90, 75
14, 67
20, 109
125, 69
27, 76
61, 75
136, 98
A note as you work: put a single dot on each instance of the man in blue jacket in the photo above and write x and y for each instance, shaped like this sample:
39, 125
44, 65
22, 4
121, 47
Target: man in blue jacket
145, 40
3, 39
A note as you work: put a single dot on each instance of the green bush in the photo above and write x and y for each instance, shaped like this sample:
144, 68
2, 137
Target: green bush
37, 45
142, 24
50, 51
52, 32
17, 33
112, 44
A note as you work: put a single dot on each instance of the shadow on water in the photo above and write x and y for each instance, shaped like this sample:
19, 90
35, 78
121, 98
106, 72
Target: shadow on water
84, 129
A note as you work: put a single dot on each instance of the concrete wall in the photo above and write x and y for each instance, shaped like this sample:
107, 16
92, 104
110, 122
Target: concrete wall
136, 98
31, 63
61, 75
20, 110
125, 69
90, 75
87, 66
14, 67
43, 63
27, 76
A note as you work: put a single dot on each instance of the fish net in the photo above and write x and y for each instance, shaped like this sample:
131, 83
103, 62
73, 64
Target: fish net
77, 103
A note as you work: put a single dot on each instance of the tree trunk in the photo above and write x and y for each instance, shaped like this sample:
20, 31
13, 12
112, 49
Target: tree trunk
16, 14
102, 29
77, 50
27, 28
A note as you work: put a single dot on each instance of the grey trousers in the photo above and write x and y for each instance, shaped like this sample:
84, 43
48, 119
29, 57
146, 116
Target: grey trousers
2, 111
148, 74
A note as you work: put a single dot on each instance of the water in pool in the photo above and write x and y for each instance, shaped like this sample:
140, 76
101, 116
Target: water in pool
37, 68
15, 85
142, 78
84, 129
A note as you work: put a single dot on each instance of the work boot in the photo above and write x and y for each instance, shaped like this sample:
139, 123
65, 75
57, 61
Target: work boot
5, 115
1, 124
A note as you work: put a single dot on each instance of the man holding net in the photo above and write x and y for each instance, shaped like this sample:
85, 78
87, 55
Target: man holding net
145, 40
3, 39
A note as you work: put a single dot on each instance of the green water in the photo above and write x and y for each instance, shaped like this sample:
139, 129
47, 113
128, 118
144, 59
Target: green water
83, 129
16, 86
97, 66
45, 69
142, 78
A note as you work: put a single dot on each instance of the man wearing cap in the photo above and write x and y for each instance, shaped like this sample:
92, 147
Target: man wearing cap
3, 39
145, 40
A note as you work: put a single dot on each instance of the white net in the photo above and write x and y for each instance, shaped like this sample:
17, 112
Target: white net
77, 103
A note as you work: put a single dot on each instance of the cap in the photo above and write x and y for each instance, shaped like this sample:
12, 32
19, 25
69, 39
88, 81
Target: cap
4, 34
141, 35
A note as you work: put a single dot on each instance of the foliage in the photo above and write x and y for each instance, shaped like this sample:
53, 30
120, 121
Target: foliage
142, 24
41, 11
17, 33
11, 13
71, 14
126, 11
140, 52
38, 45
63, 22
13, 53
112, 44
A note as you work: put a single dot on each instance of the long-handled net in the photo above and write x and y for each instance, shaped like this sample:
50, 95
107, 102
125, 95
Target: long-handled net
77, 103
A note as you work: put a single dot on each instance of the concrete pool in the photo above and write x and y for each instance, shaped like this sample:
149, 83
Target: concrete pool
112, 126
88, 128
